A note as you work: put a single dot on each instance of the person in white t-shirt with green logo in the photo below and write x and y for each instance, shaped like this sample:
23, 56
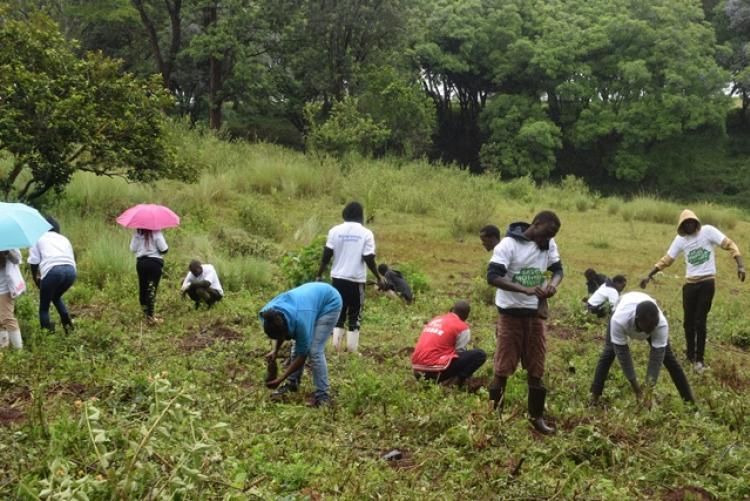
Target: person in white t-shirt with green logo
697, 242
517, 268
352, 247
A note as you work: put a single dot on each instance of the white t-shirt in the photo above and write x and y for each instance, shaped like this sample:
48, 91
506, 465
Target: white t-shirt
604, 294
51, 250
4, 286
350, 242
209, 274
153, 248
699, 250
622, 323
526, 264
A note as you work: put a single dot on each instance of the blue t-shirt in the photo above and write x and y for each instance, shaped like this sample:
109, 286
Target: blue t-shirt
302, 307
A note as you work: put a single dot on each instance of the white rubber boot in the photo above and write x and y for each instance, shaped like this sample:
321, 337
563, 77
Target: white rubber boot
338, 336
15, 339
3, 339
352, 341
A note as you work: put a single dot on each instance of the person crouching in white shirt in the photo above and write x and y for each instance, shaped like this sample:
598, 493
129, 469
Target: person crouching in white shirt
202, 284
637, 316
605, 298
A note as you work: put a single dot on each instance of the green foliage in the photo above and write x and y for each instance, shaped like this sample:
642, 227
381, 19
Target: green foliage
645, 208
415, 277
522, 140
346, 131
301, 266
60, 113
259, 218
402, 107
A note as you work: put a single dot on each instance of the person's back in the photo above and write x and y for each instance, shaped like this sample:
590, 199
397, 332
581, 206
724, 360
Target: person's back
399, 284
436, 346
51, 250
350, 242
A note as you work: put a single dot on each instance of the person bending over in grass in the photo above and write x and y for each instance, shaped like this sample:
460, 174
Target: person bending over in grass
352, 246
395, 283
697, 242
149, 248
637, 316
307, 316
53, 267
517, 267
604, 300
594, 280
441, 352
202, 284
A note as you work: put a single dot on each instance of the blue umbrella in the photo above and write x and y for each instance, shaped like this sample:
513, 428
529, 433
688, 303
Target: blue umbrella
20, 226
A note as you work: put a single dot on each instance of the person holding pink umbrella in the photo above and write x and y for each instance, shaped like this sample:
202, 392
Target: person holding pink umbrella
149, 246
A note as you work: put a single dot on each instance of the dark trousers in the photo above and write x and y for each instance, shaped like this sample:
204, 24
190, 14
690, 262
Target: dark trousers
696, 303
463, 367
670, 362
202, 293
149, 274
353, 298
54, 284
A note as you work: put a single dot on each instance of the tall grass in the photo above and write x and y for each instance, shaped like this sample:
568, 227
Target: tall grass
649, 209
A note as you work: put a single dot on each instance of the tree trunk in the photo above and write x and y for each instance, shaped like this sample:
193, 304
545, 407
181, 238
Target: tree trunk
215, 80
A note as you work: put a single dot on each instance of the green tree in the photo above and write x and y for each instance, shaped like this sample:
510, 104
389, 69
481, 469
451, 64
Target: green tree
60, 113
402, 106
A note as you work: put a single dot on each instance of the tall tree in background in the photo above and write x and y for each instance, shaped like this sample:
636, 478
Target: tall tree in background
60, 113
731, 19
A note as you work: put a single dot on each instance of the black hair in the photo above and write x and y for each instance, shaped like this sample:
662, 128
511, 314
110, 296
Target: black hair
353, 212
382, 268
274, 324
647, 310
490, 230
547, 216
53, 222
619, 279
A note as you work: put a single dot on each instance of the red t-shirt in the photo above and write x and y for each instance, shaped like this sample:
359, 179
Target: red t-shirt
436, 346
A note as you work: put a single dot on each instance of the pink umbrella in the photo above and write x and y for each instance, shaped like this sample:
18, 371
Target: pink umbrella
149, 217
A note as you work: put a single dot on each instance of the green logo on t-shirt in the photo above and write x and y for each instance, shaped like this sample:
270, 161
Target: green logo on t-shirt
529, 277
697, 257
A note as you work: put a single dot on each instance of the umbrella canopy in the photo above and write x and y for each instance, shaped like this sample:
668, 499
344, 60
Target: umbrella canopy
20, 226
149, 217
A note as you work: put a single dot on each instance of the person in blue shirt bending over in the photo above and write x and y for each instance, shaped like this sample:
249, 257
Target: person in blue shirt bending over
307, 316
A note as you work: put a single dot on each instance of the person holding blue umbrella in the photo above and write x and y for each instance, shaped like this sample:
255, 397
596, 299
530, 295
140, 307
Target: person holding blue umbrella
21, 226
53, 267
11, 286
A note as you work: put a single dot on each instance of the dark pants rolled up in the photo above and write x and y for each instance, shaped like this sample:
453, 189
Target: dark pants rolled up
463, 367
149, 274
203, 293
696, 303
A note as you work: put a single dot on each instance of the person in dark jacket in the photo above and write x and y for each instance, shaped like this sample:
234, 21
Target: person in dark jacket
395, 281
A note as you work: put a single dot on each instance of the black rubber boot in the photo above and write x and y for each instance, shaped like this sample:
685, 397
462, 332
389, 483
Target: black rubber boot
536, 410
497, 394
67, 323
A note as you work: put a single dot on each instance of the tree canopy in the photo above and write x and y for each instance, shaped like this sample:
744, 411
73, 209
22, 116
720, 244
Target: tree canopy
60, 113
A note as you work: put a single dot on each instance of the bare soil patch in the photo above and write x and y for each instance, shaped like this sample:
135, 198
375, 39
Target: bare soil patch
688, 493
207, 336
11, 415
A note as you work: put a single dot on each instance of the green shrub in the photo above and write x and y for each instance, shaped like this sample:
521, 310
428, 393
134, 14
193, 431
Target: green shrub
722, 218
238, 273
416, 278
522, 189
259, 218
238, 242
301, 266
613, 205
650, 210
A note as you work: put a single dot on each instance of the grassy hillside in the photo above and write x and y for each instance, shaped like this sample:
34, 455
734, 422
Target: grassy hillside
118, 409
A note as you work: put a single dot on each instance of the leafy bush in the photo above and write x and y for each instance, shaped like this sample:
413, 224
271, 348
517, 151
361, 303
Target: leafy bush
238, 242
260, 218
347, 130
416, 278
239, 273
301, 266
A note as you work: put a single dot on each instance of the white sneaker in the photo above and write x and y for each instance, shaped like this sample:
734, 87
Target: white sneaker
699, 367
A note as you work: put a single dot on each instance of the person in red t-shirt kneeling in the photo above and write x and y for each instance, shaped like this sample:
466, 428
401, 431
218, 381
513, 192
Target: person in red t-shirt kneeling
441, 352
